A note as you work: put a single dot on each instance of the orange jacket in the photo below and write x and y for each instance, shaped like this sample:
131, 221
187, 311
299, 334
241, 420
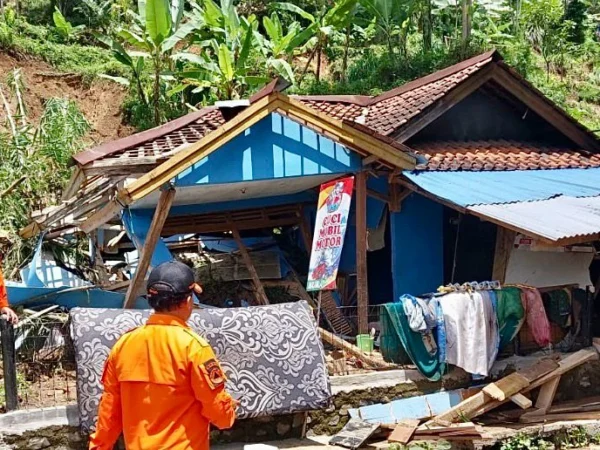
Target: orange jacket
3, 294
163, 387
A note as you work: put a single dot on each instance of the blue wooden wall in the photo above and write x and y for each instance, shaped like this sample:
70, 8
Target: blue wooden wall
417, 246
276, 147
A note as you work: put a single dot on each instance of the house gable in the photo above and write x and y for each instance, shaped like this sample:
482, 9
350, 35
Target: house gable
492, 113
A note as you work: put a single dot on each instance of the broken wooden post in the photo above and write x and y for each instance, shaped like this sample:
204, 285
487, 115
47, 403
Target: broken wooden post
9, 364
160, 216
361, 252
261, 295
504, 242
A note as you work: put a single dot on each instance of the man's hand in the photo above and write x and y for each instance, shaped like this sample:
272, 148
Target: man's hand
11, 316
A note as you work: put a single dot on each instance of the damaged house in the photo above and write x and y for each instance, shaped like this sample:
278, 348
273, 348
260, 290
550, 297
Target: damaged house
468, 174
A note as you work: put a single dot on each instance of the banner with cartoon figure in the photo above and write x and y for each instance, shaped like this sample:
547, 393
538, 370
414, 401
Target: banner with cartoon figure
330, 228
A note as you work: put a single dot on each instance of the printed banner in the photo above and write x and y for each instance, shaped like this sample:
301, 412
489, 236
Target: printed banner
330, 228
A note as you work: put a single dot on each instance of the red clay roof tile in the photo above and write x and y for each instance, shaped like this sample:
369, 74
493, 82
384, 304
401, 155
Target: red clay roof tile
500, 155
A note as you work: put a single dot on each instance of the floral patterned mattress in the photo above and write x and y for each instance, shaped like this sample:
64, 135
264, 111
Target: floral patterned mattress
272, 355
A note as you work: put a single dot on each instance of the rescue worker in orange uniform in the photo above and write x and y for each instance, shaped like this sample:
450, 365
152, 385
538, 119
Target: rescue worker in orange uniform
6, 310
163, 385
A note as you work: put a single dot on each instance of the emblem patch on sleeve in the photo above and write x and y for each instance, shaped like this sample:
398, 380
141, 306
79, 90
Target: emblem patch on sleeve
213, 374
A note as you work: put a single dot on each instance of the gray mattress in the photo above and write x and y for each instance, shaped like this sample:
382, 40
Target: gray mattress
272, 355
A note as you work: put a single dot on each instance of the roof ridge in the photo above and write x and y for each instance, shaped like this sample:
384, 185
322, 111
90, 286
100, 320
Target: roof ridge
123, 144
359, 100
492, 55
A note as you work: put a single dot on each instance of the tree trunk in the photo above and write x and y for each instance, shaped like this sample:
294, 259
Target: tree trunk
310, 58
427, 26
319, 56
466, 24
157, 92
346, 51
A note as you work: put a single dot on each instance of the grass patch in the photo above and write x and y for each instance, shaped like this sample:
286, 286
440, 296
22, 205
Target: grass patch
22, 39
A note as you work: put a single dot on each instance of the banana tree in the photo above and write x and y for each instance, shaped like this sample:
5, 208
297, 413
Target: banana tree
392, 18
322, 26
278, 45
224, 44
155, 31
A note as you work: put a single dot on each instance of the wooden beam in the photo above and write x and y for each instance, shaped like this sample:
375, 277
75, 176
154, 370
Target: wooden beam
521, 401
101, 216
504, 243
305, 229
77, 178
361, 252
448, 101
369, 160
545, 108
348, 135
160, 215
261, 295
546, 395
378, 195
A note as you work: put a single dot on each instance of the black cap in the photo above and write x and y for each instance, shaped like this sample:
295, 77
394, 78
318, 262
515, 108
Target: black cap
172, 278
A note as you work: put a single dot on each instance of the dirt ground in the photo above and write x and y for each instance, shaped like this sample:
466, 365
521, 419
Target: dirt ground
100, 103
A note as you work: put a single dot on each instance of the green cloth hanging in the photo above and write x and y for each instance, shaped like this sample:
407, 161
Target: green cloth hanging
558, 306
414, 343
510, 313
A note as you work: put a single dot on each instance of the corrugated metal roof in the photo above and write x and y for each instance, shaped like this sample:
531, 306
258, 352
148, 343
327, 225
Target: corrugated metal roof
558, 219
481, 188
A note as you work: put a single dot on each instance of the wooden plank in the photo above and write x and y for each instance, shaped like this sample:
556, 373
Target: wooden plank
101, 216
333, 340
361, 252
568, 363
506, 387
261, 296
521, 401
480, 403
445, 103
160, 215
77, 178
546, 395
404, 431
589, 415
504, 243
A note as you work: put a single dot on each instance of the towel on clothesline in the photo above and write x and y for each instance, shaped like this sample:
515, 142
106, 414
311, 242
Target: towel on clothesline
471, 331
420, 317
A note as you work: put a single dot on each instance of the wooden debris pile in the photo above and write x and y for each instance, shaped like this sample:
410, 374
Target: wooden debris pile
456, 422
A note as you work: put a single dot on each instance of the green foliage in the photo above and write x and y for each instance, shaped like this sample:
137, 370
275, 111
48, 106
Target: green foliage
40, 152
576, 437
63, 28
526, 442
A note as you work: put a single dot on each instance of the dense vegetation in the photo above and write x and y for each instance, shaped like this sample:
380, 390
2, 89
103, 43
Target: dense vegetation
176, 55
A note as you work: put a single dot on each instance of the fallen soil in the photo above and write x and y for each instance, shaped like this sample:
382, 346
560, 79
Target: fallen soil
100, 103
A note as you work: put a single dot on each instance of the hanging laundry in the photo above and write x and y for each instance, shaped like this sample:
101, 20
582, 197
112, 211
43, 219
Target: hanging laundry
420, 347
558, 306
510, 314
420, 317
536, 317
470, 331
494, 330
440, 329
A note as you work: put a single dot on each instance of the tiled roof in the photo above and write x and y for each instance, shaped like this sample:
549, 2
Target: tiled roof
499, 155
389, 111
188, 134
